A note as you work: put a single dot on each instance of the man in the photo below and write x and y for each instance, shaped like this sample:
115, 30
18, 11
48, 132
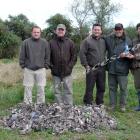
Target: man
63, 58
136, 64
92, 52
34, 59
118, 45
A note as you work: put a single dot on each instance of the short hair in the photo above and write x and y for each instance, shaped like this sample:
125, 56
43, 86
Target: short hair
137, 26
96, 24
35, 27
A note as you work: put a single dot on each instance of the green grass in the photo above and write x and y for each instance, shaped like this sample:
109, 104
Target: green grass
7, 61
128, 122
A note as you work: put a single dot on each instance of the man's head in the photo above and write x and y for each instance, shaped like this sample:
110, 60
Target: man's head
60, 30
96, 30
138, 28
119, 30
36, 32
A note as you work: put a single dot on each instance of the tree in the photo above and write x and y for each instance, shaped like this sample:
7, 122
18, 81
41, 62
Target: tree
103, 10
80, 11
76, 37
20, 25
53, 22
87, 12
9, 42
131, 31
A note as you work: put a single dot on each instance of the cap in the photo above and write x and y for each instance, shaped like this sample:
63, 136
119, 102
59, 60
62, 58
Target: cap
118, 26
61, 26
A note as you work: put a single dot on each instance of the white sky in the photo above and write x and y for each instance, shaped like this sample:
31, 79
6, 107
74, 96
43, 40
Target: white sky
38, 11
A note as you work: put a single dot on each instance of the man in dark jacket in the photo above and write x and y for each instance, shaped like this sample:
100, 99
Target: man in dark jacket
34, 59
63, 58
136, 64
92, 52
118, 45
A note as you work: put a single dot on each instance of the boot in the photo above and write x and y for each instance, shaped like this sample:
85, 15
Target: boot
138, 107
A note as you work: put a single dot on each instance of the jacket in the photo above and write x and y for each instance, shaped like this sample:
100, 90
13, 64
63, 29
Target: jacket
136, 53
116, 46
92, 51
34, 54
63, 56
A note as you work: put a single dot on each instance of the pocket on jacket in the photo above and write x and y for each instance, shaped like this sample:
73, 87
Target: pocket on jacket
122, 66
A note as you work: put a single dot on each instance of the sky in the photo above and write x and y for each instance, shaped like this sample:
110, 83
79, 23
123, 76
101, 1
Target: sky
38, 11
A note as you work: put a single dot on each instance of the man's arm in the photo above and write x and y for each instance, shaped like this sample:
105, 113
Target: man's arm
83, 52
47, 55
73, 54
22, 55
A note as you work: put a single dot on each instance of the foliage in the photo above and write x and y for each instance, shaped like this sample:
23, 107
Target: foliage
77, 37
9, 42
103, 11
131, 31
94, 11
80, 11
19, 25
53, 22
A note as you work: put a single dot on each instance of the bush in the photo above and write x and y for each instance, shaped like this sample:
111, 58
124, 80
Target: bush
131, 31
9, 44
19, 25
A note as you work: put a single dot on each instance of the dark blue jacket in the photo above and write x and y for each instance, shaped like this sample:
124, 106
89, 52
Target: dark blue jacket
116, 46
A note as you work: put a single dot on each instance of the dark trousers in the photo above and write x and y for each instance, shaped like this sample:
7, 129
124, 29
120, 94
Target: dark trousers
98, 77
136, 74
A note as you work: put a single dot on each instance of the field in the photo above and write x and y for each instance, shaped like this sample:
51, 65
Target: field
128, 122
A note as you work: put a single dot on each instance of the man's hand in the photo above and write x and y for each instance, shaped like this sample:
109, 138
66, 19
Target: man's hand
87, 69
122, 55
130, 56
126, 55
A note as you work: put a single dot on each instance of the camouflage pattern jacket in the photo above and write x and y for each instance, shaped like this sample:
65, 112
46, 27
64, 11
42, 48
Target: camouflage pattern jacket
136, 53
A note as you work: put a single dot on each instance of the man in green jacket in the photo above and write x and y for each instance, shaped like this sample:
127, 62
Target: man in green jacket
34, 60
92, 52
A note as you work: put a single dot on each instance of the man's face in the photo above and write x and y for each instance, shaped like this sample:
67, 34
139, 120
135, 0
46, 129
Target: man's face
36, 33
138, 30
60, 32
119, 32
97, 31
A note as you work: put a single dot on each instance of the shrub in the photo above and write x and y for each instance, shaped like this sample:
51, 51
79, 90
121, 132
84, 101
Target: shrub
9, 44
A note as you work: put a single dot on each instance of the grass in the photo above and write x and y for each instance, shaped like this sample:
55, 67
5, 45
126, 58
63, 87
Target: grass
128, 122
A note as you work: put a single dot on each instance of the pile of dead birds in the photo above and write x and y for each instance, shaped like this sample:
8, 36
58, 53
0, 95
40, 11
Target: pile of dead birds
58, 118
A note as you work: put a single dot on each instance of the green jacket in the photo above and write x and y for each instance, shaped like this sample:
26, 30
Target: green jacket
34, 54
92, 51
